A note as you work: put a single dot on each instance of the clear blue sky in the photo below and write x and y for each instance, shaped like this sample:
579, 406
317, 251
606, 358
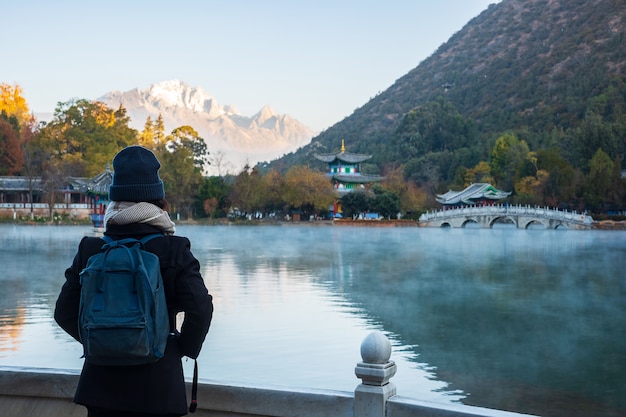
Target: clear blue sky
315, 60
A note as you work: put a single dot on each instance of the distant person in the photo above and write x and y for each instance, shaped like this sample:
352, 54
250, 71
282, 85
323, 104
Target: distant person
137, 209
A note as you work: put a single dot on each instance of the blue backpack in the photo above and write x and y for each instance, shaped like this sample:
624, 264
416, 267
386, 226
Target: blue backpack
123, 317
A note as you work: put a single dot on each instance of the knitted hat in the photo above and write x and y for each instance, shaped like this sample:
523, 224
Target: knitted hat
136, 176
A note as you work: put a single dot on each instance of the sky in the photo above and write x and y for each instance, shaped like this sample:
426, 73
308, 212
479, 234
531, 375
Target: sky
316, 61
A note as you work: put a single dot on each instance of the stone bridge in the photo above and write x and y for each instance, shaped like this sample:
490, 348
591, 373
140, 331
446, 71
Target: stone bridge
521, 216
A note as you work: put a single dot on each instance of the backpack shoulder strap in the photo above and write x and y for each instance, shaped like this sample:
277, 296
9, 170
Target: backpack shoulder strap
148, 238
143, 241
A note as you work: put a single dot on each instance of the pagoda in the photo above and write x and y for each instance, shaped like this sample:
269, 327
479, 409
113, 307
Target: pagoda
477, 194
344, 168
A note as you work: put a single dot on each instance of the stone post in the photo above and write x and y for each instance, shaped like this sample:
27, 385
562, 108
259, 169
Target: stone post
370, 397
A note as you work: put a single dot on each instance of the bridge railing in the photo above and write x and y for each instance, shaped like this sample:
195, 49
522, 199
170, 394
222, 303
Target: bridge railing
48, 393
504, 209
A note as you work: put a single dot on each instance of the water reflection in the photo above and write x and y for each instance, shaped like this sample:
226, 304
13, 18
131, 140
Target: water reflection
523, 320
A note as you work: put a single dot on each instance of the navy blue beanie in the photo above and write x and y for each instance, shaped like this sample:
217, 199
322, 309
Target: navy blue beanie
136, 176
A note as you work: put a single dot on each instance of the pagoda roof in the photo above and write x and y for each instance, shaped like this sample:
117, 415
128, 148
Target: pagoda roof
357, 179
99, 184
347, 157
343, 156
474, 192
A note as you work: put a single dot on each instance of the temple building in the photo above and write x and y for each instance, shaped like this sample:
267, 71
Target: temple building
478, 194
97, 190
344, 169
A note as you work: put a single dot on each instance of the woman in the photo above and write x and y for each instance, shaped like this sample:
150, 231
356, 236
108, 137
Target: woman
137, 209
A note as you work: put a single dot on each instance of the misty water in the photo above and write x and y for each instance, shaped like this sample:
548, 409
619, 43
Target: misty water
523, 320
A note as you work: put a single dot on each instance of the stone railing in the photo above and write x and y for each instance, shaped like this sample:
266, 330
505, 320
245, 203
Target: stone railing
48, 393
503, 209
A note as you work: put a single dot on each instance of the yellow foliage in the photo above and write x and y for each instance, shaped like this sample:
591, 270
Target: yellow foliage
532, 185
12, 101
481, 173
102, 114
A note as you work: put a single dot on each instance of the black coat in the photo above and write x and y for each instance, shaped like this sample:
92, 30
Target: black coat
157, 388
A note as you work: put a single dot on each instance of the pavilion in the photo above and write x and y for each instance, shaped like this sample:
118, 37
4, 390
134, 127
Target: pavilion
344, 168
97, 189
477, 194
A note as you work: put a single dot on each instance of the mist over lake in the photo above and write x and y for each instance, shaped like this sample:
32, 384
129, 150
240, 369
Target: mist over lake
521, 320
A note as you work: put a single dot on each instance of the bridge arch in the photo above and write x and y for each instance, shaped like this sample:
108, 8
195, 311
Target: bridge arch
470, 222
536, 222
502, 219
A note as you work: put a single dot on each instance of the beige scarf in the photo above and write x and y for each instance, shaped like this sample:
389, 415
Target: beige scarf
126, 212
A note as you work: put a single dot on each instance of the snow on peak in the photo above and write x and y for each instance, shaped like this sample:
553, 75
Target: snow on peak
176, 93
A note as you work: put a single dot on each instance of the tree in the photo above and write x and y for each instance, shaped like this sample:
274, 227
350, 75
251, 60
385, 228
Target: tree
273, 186
213, 196
411, 198
85, 136
11, 155
434, 127
146, 136
158, 128
599, 180
217, 160
563, 180
593, 133
14, 104
244, 193
386, 203
481, 173
507, 157
181, 167
188, 138
308, 189
530, 189
355, 203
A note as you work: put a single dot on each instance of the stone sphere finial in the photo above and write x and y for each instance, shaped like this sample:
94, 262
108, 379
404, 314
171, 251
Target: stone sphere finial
376, 348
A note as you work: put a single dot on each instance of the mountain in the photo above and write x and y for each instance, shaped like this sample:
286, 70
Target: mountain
239, 139
543, 69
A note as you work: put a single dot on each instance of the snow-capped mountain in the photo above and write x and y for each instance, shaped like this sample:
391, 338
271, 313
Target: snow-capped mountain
237, 138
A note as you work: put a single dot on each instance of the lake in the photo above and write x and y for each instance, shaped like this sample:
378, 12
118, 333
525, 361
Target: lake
532, 321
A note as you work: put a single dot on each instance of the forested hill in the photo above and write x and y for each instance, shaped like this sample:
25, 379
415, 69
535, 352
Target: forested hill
544, 70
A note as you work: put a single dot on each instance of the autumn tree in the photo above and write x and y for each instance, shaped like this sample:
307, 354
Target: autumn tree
530, 189
84, 136
308, 190
187, 137
244, 194
481, 173
14, 104
153, 134
273, 186
11, 155
411, 197
182, 160
146, 136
